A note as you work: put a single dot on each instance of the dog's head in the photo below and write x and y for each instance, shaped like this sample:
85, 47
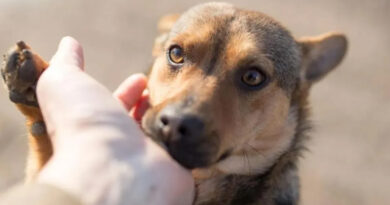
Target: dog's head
222, 85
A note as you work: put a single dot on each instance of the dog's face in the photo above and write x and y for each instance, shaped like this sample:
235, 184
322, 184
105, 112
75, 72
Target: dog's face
222, 85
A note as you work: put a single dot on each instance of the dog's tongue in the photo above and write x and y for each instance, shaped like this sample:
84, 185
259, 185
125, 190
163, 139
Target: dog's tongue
140, 108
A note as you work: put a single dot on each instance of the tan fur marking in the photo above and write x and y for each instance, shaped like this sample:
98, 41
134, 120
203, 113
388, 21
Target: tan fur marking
260, 153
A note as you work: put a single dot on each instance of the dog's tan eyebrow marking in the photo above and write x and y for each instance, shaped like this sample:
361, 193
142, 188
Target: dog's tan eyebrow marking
240, 49
192, 37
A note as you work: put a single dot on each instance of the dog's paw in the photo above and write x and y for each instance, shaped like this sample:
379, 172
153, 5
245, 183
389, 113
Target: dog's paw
20, 74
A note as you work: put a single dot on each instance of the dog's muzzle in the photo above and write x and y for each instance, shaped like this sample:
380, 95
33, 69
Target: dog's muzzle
186, 137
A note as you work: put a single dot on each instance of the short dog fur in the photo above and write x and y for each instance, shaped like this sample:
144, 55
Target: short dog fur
228, 94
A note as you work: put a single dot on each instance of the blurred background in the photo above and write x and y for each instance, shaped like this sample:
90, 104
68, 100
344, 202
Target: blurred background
349, 157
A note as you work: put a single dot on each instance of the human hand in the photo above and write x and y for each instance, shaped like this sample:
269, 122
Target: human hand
100, 154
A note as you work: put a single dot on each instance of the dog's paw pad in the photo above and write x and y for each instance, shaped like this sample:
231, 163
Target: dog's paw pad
20, 74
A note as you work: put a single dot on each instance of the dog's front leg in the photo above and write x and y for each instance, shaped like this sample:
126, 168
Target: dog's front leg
20, 70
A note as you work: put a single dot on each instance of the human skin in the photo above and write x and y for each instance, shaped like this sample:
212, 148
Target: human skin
100, 154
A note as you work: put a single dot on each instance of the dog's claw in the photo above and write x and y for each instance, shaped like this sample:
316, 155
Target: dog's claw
20, 74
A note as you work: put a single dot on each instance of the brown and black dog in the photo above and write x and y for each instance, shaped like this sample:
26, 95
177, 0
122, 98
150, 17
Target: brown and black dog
228, 94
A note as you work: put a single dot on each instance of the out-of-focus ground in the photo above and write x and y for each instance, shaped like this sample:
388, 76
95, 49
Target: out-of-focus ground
349, 158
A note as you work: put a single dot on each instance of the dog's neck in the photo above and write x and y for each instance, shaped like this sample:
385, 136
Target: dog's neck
278, 179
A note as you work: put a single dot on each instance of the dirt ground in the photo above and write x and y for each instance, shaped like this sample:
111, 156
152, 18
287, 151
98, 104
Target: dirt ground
349, 157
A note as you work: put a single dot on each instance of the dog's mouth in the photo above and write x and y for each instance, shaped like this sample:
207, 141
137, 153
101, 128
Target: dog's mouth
196, 152
224, 155
192, 156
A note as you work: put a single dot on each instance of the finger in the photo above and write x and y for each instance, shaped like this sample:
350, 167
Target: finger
69, 53
130, 91
141, 107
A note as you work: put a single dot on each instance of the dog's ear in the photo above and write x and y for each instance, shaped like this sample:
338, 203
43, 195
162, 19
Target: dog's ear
321, 54
164, 27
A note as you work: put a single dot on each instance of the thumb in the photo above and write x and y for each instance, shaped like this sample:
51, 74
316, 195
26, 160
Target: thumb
74, 104
69, 53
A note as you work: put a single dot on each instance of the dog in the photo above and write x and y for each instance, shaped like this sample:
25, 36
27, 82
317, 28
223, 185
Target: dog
229, 100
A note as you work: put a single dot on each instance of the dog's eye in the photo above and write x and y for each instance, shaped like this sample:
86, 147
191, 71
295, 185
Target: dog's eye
253, 77
176, 55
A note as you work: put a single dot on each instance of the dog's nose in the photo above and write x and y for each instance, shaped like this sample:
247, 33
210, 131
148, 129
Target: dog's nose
175, 126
